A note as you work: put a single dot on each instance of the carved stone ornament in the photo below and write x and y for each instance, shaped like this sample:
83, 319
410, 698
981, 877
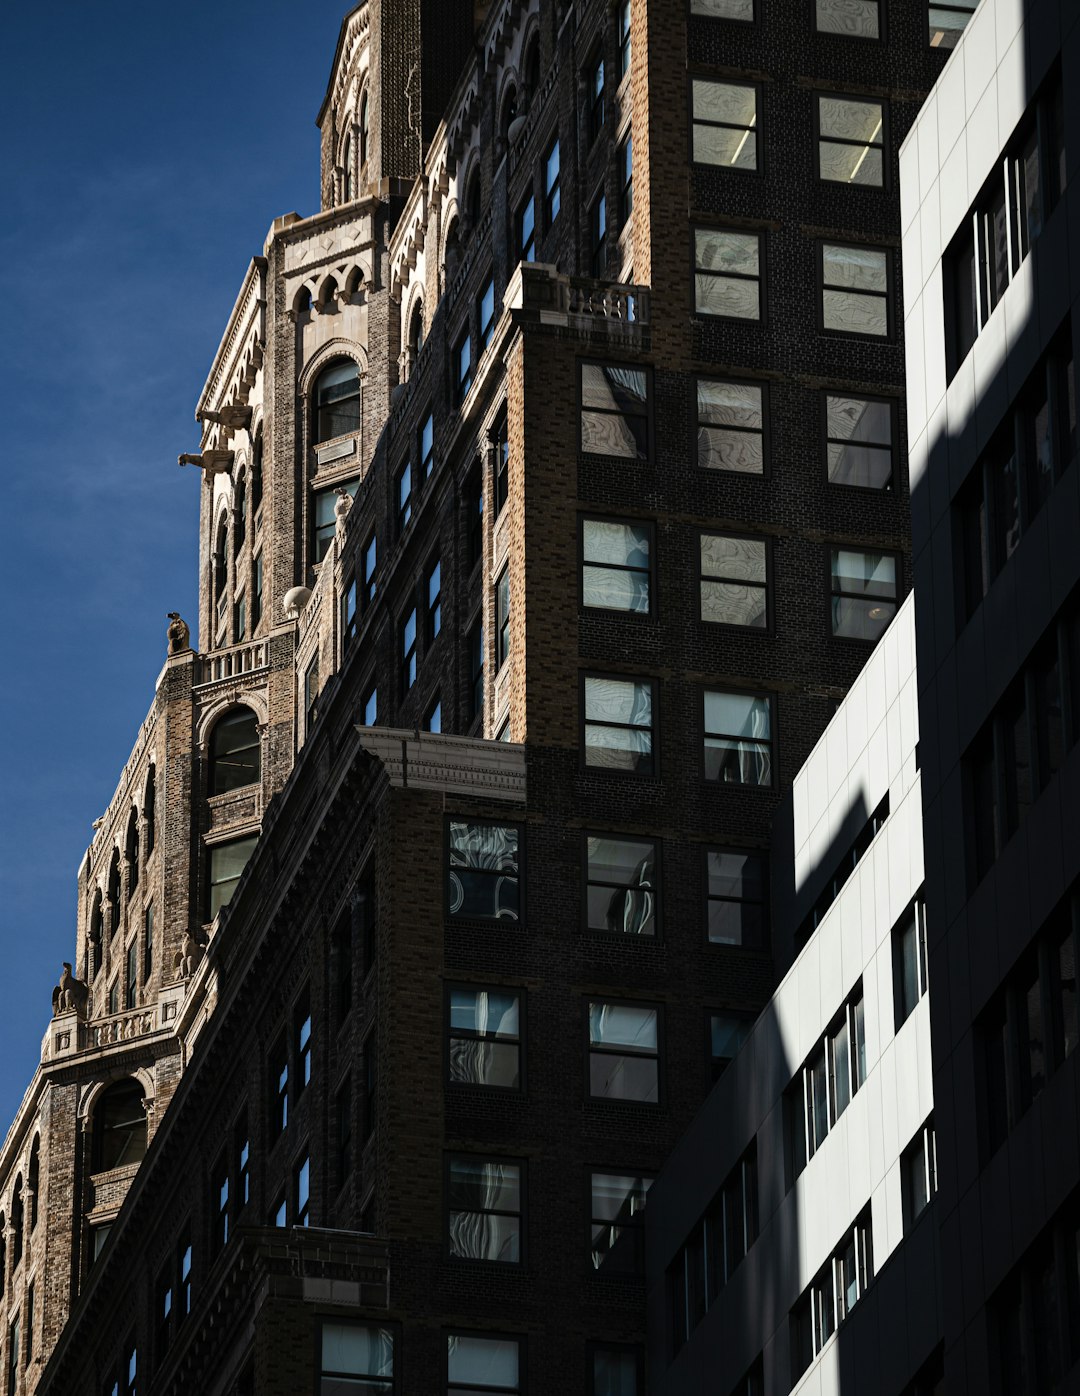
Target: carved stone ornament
179, 633
70, 995
187, 957
342, 505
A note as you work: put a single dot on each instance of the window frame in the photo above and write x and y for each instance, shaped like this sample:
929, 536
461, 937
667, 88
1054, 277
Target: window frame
883, 143
773, 742
522, 245
552, 199
717, 226
656, 936
766, 435
710, 75
598, 235
879, 38
707, 897
588, 768
585, 517
621, 1001
519, 1341
403, 503
615, 1170
712, 1061
857, 395
769, 627
408, 657
501, 921
485, 328
647, 415
461, 382
887, 296
467, 986
594, 1346
725, 19
958, 7
342, 1320
896, 602
521, 1163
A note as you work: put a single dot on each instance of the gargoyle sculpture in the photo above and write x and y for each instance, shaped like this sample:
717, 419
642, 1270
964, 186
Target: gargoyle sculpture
70, 995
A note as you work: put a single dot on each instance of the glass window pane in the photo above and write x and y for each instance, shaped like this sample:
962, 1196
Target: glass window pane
621, 879
622, 1025
615, 544
846, 119
491, 1362
729, 404
724, 9
615, 1373
854, 314
727, 1033
854, 268
614, 388
737, 714
856, 19
618, 1077
487, 1012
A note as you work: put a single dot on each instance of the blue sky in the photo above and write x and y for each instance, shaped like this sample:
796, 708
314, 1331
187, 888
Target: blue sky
144, 150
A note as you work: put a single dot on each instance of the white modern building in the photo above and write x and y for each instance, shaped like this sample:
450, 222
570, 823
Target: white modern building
791, 1241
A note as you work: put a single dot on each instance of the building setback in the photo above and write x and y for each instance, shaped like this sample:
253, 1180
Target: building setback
573, 419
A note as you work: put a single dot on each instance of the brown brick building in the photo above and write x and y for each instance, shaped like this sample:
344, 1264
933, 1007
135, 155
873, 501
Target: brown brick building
597, 291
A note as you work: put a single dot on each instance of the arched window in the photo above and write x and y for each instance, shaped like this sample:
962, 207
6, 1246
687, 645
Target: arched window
33, 1179
240, 512
119, 1134
302, 301
257, 473
131, 850
532, 69
17, 1222
114, 892
221, 568
148, 809
235, 753
416, 330
365, 129
509, 115
94, 937
346, 163
337, 400
473, 203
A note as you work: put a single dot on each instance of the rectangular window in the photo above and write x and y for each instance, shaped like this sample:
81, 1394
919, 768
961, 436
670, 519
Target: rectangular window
863, 590
485, 315
483, 872
302, 1033
404, 495
256, 592
738, 738
731, 426
311, 693
502, 466
279, 1213
427, 447
726, 130
598, 237
485, 1038
624, 1052
860, 438
29, 1321
832, 1074
370, 713
724, 9
370, 563
343, 1121
918, 1174
219, 1202
526, 230
909, 961
243, 1165
302, 1192
227, 862
371, 1086
851, 140
626, 180
132, 979
476, 669
239, 619
114, 996
854, 19
615, 410
502, 619
408, 651
619, 724
349, 616
13, 1356
484, 1209
462, 368
325, 518
433, 717
734, 577
616, 1371
855, 289
616, 566
148, 942
727, 1033
184, 1287
617, 1226
163, 1315
727, 273
552, 193
621, 885
279, 1089
595, 88
737, 897
839, 1286
434, 600
355, 1358
947, 22
477, 1366
624, 38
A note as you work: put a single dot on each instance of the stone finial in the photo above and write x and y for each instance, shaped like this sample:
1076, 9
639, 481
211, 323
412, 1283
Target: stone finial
70, 995
179, 633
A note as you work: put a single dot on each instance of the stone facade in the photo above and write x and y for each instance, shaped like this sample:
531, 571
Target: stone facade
440, 124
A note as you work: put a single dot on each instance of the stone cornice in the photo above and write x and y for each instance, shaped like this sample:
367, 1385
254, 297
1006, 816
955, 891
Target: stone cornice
354, 28
461, 765
237, 341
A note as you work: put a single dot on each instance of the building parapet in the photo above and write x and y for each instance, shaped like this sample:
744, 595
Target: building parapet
234, 662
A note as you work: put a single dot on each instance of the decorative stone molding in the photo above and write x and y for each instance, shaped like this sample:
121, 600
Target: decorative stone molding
458, 765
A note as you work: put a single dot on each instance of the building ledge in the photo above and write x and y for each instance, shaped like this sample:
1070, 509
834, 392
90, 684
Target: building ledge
461, 765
